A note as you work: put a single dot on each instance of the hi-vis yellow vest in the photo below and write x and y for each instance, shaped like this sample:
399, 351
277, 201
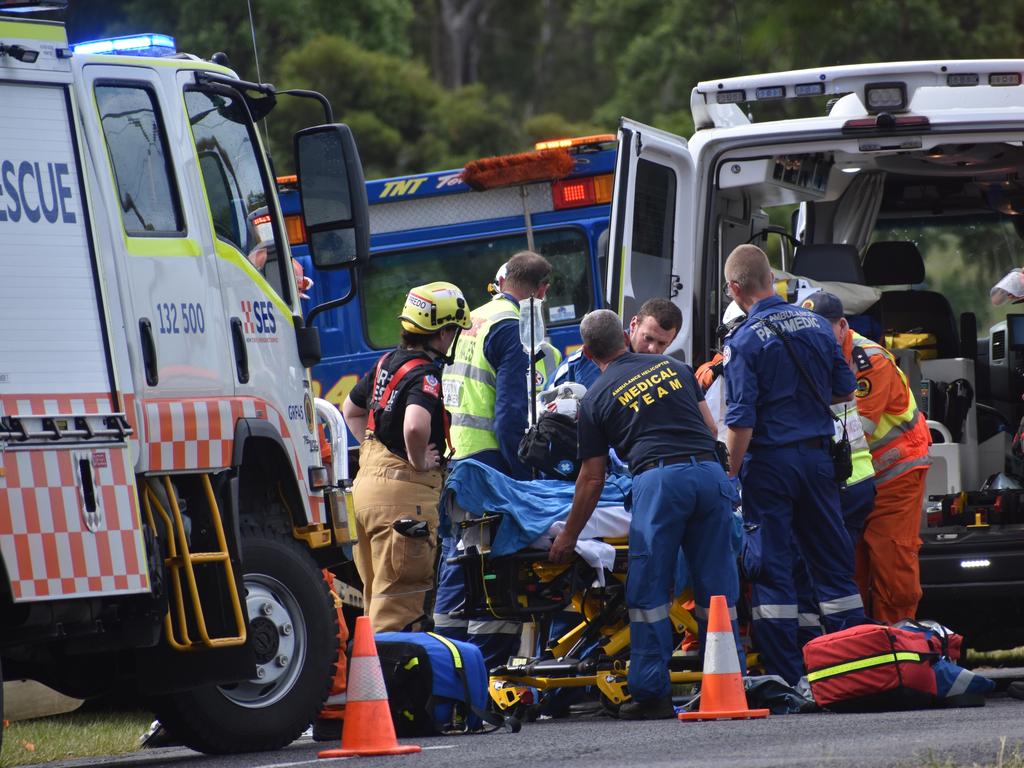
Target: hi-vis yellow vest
860, 453
470, 382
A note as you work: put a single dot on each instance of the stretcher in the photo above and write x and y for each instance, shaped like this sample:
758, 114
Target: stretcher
593, 647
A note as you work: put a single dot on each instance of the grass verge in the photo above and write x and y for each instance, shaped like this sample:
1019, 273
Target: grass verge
75, 734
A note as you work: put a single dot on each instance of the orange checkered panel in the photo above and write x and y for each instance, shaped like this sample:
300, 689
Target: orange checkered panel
54, 541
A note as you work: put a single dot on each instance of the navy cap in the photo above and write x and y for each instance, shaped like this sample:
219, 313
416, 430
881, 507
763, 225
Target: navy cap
826, 304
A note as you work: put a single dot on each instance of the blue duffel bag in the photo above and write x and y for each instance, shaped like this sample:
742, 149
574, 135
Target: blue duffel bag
436, 685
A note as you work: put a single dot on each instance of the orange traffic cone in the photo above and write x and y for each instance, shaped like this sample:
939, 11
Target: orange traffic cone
368, 728
721, 689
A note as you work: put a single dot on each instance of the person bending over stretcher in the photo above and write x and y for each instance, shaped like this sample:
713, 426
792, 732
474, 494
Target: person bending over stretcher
650, 409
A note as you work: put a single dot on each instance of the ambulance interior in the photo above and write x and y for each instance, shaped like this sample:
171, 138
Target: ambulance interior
912, 240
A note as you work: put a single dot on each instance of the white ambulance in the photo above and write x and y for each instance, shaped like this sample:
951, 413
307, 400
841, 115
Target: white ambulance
164, 509
902, 190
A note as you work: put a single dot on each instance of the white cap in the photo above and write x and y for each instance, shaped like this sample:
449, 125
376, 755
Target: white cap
1009, 288
732, 312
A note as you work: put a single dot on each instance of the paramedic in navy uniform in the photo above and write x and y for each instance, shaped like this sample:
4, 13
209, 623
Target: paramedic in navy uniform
650, 409
778, 438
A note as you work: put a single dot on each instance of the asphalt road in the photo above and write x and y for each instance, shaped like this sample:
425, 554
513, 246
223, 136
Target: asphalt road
932, 739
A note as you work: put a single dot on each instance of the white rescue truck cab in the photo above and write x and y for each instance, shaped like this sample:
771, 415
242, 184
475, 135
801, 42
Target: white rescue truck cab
164, 510
906, 198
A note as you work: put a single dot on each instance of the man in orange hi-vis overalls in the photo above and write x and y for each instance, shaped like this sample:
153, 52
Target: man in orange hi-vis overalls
886, 561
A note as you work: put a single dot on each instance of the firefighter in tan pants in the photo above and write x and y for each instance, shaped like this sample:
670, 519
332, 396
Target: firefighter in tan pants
397, 407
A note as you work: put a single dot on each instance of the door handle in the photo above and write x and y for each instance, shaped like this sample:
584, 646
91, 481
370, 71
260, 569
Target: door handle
241, 352
149, 361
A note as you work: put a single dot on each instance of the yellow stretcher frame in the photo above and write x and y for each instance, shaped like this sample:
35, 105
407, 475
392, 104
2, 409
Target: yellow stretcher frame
507, 690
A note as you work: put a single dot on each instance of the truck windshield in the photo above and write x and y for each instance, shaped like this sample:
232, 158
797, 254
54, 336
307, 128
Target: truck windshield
471, 265
236, 189
963, 258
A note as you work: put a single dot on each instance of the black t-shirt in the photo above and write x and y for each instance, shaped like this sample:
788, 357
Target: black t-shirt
646, 407
420, 386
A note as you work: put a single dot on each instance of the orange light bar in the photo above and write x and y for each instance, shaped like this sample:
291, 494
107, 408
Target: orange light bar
598, 138
295, 229
576, 193
258, 220
293, 179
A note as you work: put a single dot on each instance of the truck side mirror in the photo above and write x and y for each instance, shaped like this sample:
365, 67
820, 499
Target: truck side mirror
333, 194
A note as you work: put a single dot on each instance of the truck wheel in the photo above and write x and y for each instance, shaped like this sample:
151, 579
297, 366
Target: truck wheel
293, 629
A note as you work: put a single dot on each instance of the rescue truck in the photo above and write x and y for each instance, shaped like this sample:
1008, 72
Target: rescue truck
904, 194
165, 509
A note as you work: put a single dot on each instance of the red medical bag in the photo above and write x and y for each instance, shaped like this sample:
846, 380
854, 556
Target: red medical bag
871, 668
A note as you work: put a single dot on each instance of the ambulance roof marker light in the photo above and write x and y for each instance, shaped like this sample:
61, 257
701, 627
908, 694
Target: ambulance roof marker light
146, 44
882, 87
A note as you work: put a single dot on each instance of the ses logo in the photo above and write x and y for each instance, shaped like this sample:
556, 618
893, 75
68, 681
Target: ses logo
258, 322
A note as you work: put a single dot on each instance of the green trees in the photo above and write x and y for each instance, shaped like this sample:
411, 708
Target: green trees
429, 84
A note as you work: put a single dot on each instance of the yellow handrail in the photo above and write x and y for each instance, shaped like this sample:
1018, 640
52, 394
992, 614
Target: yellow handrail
177, 632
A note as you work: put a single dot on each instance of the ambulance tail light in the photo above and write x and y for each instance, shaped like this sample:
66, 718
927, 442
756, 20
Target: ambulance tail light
295, 229
887, 123
576, 193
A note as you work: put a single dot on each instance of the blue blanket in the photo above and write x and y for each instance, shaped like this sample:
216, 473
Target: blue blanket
529, 506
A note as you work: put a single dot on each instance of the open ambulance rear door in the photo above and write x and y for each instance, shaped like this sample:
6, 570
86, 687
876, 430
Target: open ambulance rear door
651, 239
69, 522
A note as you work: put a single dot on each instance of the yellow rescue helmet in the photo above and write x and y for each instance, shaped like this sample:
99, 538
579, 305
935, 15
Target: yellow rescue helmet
431, 307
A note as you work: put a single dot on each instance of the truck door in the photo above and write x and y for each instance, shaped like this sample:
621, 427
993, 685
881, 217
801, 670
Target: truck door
177, 345
652, 222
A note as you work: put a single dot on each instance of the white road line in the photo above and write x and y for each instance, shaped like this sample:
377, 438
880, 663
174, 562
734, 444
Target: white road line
328, 759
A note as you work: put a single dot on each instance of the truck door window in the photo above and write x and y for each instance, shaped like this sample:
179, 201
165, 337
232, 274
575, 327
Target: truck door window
236, 188
138, 153
471, 266
653, 223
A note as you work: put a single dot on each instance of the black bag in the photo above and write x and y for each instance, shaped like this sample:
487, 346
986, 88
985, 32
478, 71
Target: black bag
551, 446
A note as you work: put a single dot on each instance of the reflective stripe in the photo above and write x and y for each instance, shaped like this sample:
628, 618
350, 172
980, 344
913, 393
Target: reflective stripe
366, 680
774, 612
892, 425
444, 620
720, 655
648, 615
470, 371
853, 666
840, 604
960, 684
902, 468
808, 620
702, 613
869, 425
494, 627
452, 648
473, 422
895, 429
336, 700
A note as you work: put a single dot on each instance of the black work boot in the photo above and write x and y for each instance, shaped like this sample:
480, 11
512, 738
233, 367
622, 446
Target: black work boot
648, 709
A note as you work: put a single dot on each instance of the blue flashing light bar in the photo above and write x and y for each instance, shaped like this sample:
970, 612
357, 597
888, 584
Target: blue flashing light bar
148, 44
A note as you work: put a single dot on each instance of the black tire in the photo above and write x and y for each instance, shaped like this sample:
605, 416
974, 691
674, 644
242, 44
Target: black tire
1, 709
271, 711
